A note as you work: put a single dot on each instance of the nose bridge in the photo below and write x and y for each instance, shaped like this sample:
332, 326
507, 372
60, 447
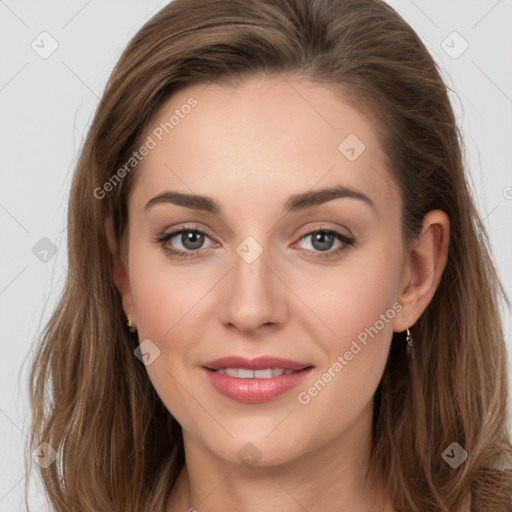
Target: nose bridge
252, 296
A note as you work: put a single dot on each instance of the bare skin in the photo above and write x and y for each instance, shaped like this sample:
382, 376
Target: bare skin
250, 147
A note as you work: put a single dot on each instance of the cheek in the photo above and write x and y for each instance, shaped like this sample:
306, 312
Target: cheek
358, 307
167, 303
159, 303
164, 294
352, 297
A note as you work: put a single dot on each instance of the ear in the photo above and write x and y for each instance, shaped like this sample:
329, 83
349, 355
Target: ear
120, 275
426, 261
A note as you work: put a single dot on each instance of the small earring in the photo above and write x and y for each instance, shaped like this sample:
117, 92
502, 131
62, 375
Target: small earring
408, 339
129, 324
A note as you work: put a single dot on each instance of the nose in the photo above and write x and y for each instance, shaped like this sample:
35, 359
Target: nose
252, 295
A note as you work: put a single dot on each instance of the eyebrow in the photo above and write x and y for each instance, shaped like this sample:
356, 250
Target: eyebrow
297, 202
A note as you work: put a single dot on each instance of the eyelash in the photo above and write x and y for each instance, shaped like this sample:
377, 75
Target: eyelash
184, 255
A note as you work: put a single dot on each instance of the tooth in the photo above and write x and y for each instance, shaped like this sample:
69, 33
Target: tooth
245, 373
277, 372
263, 374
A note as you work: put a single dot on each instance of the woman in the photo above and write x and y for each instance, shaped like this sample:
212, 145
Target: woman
280, 294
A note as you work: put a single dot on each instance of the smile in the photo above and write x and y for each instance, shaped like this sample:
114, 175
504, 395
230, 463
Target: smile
254, 380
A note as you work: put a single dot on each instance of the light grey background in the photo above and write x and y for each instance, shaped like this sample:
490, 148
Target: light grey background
46, 106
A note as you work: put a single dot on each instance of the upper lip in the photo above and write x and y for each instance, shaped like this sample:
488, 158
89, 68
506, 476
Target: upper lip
256, 363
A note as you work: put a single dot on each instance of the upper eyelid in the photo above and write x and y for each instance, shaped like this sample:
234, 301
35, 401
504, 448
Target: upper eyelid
174, 232
315, 229
306, 231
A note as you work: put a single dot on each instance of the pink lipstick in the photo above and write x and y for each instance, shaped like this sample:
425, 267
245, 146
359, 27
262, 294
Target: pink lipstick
255, 380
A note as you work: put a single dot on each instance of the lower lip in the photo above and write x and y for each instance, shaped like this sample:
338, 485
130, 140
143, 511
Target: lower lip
255, 390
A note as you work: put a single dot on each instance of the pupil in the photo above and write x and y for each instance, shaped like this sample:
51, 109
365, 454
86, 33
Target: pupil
187, 239
322, 236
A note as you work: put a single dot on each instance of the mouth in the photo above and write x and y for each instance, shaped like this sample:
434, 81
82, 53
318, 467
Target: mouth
246, 373
255, 380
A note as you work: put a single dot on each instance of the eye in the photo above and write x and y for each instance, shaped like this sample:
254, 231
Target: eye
323, 239
191, 240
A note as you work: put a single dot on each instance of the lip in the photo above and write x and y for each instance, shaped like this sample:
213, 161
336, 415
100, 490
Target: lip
254, 390
256, 363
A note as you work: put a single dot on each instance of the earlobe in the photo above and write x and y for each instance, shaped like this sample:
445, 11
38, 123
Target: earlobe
428, 255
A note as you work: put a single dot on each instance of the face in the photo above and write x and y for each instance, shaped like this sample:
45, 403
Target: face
267, 268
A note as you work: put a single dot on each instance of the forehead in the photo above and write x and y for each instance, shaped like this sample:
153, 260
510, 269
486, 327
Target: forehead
260, 141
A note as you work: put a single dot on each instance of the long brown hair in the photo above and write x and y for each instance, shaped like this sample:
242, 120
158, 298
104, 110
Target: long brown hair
118, 447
